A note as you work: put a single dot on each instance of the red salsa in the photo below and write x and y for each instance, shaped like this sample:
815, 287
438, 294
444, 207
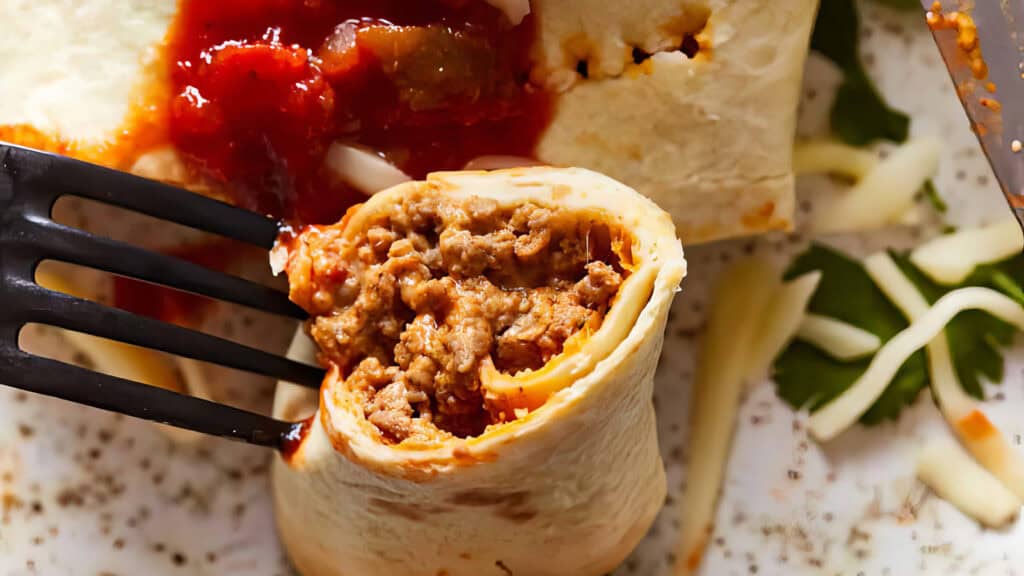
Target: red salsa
261, 88
172, 305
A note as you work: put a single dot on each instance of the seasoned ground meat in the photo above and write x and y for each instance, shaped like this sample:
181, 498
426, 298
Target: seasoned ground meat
409, 309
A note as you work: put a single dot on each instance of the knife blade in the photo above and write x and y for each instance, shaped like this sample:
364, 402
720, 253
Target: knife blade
982, 44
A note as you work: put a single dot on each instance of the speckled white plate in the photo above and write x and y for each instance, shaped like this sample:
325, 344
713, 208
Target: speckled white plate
83, 492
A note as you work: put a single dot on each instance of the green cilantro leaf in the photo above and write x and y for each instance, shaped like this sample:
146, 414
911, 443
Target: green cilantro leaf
835, 33
859, 114
806, 376
1006, 276
932, 195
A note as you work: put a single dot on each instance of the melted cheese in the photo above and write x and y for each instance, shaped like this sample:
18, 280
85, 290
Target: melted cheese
72, 70
581, 353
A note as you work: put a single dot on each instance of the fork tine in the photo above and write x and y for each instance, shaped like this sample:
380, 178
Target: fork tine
60, 380
79, 247
139, 194
58, 309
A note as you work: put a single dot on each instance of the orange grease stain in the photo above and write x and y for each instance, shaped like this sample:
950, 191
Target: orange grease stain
976, 426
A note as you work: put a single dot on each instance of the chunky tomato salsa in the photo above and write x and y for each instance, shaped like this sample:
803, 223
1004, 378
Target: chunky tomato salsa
261, 88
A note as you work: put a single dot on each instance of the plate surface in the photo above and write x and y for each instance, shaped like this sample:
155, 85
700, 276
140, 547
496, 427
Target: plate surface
83, 492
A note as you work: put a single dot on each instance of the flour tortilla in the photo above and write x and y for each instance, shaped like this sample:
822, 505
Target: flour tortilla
569, 489
709, 139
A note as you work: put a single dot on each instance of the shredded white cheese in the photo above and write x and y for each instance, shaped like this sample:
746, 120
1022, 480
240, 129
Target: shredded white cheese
950, 259
844, 410
988, 445
779, 323
363, 170
905, 296
955, 477
884, 194
741, 296
830, 156
836, 338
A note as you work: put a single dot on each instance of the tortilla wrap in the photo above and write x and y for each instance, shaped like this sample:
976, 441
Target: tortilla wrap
709, 137
568, 488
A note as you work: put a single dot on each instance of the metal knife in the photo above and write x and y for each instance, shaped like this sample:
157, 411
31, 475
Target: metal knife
994, 102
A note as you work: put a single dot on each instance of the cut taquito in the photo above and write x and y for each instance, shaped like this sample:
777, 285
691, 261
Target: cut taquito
491, 339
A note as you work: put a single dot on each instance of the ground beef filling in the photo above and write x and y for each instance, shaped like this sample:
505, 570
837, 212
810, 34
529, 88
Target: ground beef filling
411, 309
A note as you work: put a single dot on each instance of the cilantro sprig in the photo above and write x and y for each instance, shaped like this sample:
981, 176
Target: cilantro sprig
859, 114
806, 376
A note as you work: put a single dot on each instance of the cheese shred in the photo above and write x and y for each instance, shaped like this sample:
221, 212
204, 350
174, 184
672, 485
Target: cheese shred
832, 157
955, 477
836, 338
950, 259
988, 445
721, 369
905, 296
363, 170
844, 410
884, 194
780, 322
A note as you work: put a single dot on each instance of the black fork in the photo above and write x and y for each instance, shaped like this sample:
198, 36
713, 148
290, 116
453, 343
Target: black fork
30, 183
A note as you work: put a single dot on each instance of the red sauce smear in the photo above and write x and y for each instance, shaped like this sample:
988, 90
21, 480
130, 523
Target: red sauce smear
291, 442
261, 88
172, 305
